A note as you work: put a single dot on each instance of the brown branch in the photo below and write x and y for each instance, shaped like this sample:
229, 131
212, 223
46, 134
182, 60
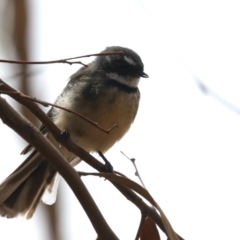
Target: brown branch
46, 104
52, 128
66, 60
27, 131
143, 217
89, 159
128, 183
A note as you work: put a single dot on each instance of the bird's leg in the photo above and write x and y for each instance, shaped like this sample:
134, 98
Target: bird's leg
108, 166
63, 137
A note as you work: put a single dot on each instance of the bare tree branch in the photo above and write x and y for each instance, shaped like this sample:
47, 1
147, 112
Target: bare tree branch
27, 131
161, 221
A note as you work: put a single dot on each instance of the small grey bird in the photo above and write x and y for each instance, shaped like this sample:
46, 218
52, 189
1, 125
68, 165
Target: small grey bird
105, 91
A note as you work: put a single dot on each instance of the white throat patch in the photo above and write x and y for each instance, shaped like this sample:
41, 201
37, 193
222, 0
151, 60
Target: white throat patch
130, 82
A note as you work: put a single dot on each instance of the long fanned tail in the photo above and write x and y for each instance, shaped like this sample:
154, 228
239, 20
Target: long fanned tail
21, 192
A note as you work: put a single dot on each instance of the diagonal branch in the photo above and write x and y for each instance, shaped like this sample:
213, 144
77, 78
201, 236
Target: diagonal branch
78, 151
27, 131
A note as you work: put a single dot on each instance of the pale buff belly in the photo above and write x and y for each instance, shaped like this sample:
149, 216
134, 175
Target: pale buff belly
120, 111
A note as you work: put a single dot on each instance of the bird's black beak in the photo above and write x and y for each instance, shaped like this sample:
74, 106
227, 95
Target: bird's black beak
144, 75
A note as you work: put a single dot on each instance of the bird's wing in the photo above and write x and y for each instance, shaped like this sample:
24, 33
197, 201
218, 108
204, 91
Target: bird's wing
42, 129
77, 76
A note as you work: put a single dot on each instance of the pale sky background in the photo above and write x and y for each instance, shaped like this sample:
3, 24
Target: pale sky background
186, 143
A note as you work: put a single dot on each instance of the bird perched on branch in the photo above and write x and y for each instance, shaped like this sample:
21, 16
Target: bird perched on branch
105, 91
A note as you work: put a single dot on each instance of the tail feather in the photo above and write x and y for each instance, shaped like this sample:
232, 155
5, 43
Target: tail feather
21, 192
13, 181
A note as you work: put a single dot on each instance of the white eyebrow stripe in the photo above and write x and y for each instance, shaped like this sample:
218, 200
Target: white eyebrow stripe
129, 60
108, 58
130, 82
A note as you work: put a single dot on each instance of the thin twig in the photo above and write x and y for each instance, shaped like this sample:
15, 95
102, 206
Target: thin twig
136, 169
46, 104
42, 62
66, 60
120, 53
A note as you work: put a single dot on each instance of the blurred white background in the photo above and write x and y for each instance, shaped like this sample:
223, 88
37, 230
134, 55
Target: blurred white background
186, 142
